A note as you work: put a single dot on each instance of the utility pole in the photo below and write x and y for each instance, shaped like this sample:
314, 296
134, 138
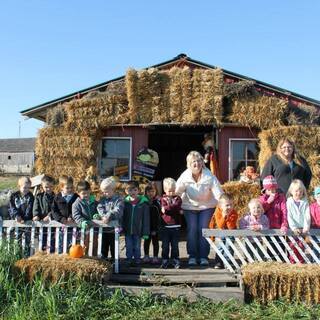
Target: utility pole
19, 129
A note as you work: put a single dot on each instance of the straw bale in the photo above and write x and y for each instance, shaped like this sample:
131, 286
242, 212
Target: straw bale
303, 114
259, 111
239, 89
306, 138
54, 267
56, 116
314, 163
241, 193
194, 115
268, 281
175, 94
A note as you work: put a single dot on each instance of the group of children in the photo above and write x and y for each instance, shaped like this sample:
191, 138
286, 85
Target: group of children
152, 218
272, 210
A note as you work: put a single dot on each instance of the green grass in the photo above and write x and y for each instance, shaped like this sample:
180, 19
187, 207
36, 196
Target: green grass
81, 300
8, 182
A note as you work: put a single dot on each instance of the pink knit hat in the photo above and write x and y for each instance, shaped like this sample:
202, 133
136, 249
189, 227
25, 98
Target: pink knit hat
269, 182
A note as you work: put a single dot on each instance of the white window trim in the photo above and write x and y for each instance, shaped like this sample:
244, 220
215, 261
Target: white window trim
230, 159
130, 160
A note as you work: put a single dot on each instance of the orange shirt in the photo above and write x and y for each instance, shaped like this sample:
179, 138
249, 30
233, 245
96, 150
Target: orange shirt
218, 221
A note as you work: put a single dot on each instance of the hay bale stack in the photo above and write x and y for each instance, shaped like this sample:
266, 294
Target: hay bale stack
258, 111
307, 141
241, 193
268, 281
53, 267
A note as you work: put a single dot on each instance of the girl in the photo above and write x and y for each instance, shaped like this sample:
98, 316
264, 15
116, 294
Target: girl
154, 204
298, 213
315, 209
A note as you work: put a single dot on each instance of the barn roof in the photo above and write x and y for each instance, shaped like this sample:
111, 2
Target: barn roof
17, 145
39, 111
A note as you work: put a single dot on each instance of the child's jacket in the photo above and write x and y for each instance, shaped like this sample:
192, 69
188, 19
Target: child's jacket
42, 206
21, 206
83, 210
276, 211
218, 221
136, 218
111, 208
172, 207
315, 215
298, 217
61, 208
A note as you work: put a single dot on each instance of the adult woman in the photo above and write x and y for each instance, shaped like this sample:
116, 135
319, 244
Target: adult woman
285, 165
200, 191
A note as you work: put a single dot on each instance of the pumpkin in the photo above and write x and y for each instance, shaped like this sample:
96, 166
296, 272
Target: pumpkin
76, 251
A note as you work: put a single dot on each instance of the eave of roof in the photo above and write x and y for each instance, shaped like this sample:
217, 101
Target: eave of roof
41, 107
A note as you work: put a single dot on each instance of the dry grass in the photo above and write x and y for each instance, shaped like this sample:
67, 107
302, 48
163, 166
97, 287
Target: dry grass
270, 281
53, 267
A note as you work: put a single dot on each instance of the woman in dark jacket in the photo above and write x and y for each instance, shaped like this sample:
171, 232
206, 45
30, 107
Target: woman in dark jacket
285, 165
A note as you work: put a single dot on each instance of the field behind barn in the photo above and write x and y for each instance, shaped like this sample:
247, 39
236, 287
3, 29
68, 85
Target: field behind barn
73, 299
8, 182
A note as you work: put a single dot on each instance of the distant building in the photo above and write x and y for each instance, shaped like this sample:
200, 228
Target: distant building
17, 155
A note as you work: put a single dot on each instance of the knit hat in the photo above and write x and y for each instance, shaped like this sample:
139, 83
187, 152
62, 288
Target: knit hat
316, 191
269, 182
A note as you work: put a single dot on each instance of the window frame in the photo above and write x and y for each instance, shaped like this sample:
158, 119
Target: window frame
230, 158
130, 154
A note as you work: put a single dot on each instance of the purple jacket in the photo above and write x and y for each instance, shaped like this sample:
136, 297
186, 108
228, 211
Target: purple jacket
248, 221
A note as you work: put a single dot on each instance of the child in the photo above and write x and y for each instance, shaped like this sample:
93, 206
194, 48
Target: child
20, 208
110, 210
249, 176
299, 219
274, 205
62, 207
224, 217
42, 209
315, 209
171, 223
136, 221
154, 203
255, 220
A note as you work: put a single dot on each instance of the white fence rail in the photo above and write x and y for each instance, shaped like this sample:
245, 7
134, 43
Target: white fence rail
236, 248
55, 237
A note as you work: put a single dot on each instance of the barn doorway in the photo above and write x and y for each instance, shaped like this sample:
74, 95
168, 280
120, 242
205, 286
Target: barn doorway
173, 143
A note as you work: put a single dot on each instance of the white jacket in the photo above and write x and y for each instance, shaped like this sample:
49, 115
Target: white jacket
298, 217
200, 195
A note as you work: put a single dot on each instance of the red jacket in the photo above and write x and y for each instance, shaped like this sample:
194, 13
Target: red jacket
276, 211
315, 215
172, 207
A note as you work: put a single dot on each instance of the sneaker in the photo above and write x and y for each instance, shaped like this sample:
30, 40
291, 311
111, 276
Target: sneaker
192, 262
155, 260
146, 259
176, 263
218, 265
204, 262
164, 264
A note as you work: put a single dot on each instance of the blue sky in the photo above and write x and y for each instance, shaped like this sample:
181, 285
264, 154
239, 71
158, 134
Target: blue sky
52, 48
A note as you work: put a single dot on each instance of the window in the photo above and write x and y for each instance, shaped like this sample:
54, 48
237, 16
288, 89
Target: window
116, 158
242, 153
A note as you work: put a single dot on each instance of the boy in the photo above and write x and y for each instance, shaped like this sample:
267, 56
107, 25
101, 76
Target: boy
224, 217
20, 208
110, 210
136, 221
171, 223
62, 207
42, 209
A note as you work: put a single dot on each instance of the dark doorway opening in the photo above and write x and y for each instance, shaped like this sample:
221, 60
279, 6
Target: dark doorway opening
173, 143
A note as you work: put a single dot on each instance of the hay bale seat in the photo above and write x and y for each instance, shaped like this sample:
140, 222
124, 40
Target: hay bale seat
268, 281
55, 267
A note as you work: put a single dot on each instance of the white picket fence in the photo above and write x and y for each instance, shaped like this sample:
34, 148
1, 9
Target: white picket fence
240, 247
32, 232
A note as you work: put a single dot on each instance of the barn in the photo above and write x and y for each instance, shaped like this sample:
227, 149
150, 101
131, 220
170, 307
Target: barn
168, 109
17, 155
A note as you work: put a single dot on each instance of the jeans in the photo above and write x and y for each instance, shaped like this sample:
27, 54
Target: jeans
155, 243
197, 246
170, 236
133, 246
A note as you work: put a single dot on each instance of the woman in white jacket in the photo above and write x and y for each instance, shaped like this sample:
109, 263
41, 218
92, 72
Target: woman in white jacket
200, 191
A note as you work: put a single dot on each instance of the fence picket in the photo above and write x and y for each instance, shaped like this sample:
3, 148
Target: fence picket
99, 242
269, 246
292, 254
253, 250
296, 245
65, 239
230, 256
261, 247
237, 252
40, 238
244, 249
91, 241
307, 247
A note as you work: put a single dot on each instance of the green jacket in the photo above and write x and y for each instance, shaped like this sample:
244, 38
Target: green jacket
136, 218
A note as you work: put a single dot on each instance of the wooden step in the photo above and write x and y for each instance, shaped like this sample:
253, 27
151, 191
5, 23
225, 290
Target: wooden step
216, 294
195, 279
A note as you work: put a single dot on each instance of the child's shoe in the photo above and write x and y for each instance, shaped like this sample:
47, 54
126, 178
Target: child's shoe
155, 260
204, 262
176, 263
192, 262
146, 259
164, 264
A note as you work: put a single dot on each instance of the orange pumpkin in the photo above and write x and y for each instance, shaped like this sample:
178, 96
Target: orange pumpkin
76, 251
